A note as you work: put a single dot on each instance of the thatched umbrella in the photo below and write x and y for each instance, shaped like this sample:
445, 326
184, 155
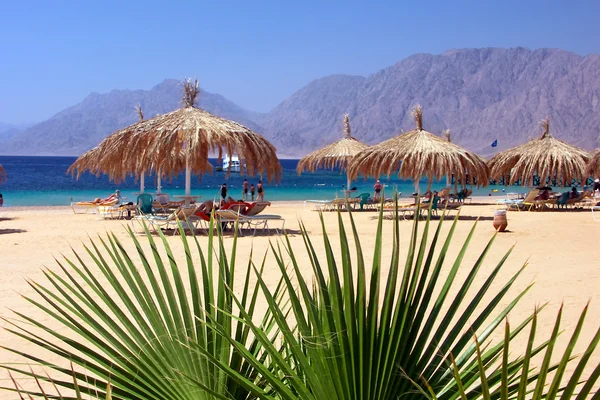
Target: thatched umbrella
593, 166
337, 154
182, 140
545, 157
110, 158
420, 153
2, 174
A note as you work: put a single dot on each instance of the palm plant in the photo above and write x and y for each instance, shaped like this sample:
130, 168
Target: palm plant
353, 338
155, 332
137, 324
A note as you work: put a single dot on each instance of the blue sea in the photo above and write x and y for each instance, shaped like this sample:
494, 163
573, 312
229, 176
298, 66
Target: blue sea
43, 181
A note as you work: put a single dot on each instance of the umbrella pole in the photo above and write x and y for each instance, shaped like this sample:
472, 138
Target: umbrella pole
348, 182
448, 180
142, 182
417, 186
158, 184
188, 180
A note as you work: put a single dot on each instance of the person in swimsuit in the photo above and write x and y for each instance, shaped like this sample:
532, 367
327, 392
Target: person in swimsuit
377, 188
245, 190
223, 193
261, 192
252, 191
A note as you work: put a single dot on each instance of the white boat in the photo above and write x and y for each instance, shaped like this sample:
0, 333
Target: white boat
232, 161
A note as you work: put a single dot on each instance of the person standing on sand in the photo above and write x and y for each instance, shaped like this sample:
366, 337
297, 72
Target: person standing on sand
223, 192
252, 191
377, 188
1, 200
245, 190
261, 192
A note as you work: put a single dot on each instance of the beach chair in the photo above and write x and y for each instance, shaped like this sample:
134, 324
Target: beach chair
365, 200
256, 208
155, 222
529, 201
83, 207
144, 203
238, 220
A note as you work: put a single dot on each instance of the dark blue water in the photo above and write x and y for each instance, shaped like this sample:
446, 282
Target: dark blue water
44, 181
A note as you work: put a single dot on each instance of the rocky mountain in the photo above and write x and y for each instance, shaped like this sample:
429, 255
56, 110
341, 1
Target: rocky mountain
479, 94
81, 127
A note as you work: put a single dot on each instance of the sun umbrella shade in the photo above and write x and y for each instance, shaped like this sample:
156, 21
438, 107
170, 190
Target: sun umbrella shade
593, 167
181, 139
420, 153
545, 157
2, 174
337, 154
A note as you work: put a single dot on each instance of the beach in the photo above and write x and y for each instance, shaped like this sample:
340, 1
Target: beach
560, 249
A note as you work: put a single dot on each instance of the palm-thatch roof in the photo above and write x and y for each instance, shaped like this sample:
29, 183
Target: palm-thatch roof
420, 153
183, 138
2, 174
593, 166
337, 154
545, 157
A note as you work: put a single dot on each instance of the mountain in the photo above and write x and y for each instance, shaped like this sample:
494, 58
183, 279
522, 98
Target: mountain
81, 127
479, 94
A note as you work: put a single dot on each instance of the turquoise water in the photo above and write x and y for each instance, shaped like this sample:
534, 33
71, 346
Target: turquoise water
43, 181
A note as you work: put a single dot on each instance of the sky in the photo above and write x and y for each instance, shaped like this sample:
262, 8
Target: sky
255, 53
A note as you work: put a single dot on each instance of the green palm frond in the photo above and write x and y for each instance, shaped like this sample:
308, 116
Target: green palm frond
353, 337
135, 325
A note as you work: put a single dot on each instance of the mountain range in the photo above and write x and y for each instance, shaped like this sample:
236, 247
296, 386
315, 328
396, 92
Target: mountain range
479, 94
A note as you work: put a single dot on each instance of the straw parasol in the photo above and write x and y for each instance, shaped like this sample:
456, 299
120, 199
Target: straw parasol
545, 157
2, 174
593, 166
420, 153
182, 140
337, 154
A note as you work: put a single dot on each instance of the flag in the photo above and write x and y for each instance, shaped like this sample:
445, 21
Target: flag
495, 143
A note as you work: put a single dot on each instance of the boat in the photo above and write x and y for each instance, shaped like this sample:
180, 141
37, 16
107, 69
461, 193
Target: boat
233, 162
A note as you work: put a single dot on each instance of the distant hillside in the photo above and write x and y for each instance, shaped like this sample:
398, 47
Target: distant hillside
81, 127
479, 94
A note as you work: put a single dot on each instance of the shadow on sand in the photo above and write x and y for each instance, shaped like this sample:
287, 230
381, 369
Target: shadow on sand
8, 231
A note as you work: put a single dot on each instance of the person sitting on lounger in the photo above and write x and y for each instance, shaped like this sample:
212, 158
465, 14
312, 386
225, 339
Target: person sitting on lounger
544, 195
574, 193
207, 207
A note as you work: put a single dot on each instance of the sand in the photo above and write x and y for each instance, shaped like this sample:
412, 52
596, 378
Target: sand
561, 249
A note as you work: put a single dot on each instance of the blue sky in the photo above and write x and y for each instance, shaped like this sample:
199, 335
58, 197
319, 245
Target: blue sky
255, 53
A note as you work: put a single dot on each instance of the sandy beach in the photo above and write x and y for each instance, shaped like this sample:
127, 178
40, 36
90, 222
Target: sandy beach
559, 247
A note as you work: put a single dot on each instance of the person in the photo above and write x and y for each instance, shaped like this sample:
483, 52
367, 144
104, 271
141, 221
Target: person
596, 184
261, 191
252, 191
245, 190
224, 191
1, 200
118, 196
544, 195
574, 193
207, 207
377, 188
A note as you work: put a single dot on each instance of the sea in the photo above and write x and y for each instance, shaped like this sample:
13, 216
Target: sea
43, 181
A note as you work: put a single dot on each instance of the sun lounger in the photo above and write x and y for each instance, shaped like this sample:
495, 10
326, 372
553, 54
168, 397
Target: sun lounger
83, 207
253, 222
182, 214
256, 208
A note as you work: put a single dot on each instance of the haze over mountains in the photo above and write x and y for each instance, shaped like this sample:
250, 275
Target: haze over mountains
479, 94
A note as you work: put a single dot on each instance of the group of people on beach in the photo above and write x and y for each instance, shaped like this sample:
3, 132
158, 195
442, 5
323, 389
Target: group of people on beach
247, 190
